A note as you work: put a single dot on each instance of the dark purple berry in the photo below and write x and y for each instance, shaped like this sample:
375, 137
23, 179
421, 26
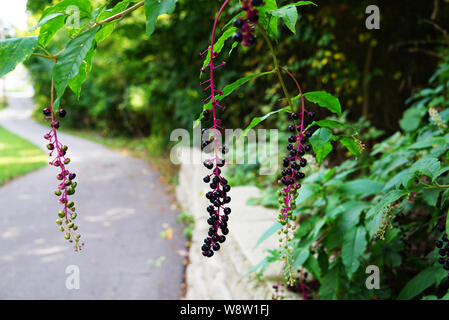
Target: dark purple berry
238, 23
62, 113
46, 111
237, 37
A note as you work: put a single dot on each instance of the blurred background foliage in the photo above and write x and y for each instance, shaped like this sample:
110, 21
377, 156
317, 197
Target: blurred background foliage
146, 87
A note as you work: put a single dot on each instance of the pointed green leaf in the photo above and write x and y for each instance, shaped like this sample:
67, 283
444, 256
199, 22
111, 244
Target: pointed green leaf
418, 284
70, 61
14, 51
354, 244
321, 144
108, 28
86, 66
153, 9
255, 121
270, 231
58, 15
324, 99
289, 14
351, 145
330, 124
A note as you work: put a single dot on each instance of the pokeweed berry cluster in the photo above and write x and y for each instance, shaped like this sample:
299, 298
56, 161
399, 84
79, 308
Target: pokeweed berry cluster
291, 175
443, 246
218, 198
245, 35
219, 213
67, 186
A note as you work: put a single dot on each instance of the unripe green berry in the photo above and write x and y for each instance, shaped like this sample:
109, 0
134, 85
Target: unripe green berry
59, 221
61, 214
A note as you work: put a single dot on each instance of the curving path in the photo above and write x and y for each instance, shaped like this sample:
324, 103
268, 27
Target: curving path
122, 209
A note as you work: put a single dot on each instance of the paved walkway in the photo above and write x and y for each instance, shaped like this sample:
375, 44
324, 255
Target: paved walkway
122, 209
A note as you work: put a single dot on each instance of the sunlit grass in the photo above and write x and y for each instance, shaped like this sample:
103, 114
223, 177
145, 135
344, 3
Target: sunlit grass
18, 156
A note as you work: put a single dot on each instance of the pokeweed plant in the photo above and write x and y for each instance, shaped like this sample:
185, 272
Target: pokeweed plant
388, 210
72, 64
262, 17
67, 185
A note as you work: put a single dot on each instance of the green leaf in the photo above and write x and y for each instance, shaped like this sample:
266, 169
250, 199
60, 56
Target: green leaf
48, 30
14, 51
153, 9
108, 28
58, 17
374, 214
412, 117
271, 230
320, 138
218, 45
255, 121
331, 283
313, 266
325, 100
430, 196
351, 212
418, 284
266, 20
300, 256
354, 244
320, 141
428, 166
386, 200
83, 5
330, 124
230, 89
363, 186
428, 142
44, 20
76, 82
289, 14
70, 61
351, 145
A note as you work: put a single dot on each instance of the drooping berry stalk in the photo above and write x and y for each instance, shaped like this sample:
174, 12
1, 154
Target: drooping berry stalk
219, 214
291, 176
219, 185
67, 185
